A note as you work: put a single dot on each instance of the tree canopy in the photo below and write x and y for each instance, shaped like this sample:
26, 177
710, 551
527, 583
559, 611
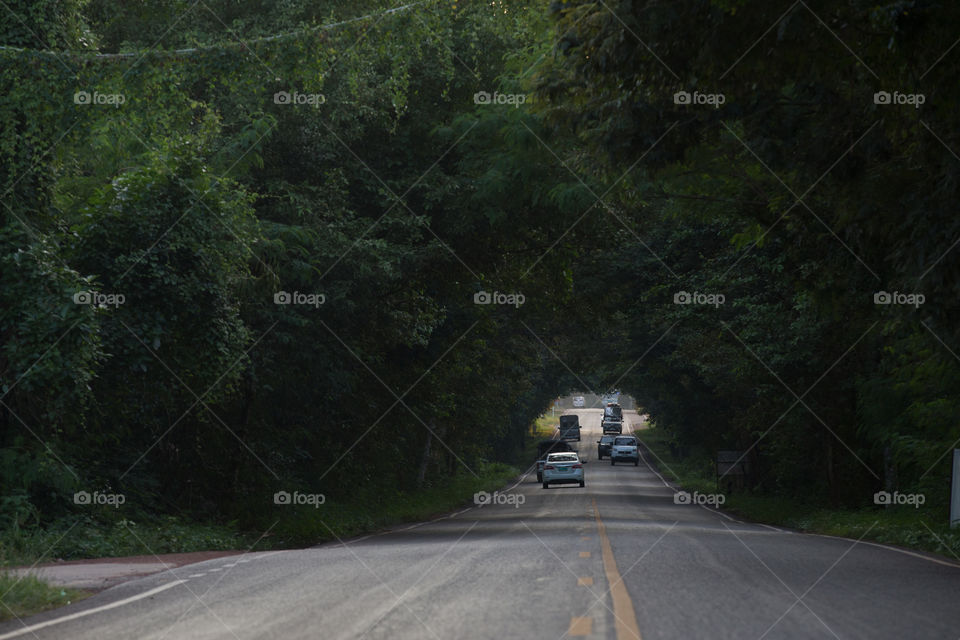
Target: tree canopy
241, 242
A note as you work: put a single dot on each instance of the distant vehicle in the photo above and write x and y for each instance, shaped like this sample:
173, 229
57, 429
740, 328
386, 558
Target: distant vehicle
612, 426
545, 447
624, 448
611, 398
570, 428
612, 421
614, 411
578, 401
562, 468
603, 446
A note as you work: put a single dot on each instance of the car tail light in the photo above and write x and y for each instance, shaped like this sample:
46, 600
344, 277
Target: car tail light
578, 466
549, 466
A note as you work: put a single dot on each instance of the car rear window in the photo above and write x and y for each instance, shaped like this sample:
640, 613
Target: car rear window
625, 441
562, 457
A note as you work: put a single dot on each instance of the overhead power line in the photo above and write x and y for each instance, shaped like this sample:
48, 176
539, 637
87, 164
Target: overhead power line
241, 44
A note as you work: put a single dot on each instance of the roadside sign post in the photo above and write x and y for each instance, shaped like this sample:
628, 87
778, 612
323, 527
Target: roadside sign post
955, 491
733, 465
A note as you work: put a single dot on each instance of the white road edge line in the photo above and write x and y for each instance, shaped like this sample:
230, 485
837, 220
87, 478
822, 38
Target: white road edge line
89, 612
945, 563
713, 511
880, 545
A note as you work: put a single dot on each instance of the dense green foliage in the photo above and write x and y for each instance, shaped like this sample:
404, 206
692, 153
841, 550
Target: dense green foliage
906, 526
192, 166
197, 196
792, 190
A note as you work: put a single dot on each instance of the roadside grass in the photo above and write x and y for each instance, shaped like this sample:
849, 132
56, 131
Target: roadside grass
370, 509
376, 509
544, 426
22, 596
923, 528
88, 537
295, 526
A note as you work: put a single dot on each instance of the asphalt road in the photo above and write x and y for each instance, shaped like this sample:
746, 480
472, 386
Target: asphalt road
617, 559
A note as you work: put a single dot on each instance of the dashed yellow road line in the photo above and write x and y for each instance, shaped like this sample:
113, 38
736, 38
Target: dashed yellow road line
580, 626
625, 618
586, 581
584, 554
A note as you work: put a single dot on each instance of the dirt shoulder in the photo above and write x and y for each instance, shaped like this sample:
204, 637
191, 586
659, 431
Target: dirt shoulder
97, 574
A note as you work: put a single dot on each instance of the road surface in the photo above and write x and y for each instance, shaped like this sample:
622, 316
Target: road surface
617, 559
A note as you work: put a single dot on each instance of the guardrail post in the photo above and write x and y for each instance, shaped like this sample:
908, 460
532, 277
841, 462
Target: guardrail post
955, 491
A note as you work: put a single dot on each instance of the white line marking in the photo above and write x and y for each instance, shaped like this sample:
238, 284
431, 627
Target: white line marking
808, 533
945, 563
89, 612
711, 510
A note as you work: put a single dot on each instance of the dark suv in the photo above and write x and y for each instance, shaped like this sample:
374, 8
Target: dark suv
611, 426
569, 428
603, 446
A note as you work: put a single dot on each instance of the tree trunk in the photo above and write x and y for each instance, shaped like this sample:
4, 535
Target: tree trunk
422, 475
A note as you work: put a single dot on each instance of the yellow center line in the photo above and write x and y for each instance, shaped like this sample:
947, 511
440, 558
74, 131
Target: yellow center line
584, 582
580, 626
625, 618
584, 554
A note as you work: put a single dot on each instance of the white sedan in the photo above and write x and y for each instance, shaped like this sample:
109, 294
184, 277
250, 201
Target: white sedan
624, 448
562, 468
